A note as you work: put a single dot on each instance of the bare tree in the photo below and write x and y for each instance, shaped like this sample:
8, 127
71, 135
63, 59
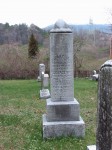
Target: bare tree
77, 44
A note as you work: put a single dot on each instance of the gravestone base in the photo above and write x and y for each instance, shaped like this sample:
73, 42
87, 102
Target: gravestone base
91, 147
63, 128
63, 110
44, 94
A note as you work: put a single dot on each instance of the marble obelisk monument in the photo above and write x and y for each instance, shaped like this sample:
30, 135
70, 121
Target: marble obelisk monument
63, 111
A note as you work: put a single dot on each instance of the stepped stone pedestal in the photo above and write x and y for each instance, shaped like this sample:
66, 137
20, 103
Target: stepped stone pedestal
66, 111
62, 117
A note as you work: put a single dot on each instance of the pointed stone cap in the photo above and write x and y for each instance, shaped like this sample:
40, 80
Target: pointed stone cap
108, 63
61, 26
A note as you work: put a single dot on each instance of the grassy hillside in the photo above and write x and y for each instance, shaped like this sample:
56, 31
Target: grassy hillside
21, 116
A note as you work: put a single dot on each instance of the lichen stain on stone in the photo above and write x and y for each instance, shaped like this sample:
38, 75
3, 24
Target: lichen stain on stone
104, 130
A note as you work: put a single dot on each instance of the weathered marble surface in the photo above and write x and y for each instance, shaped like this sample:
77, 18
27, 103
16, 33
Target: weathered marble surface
46, 81
66, 111
61, 26
63, 128
44, 94
61, 67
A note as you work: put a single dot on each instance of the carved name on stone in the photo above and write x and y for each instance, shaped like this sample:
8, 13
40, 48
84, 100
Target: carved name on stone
62, 67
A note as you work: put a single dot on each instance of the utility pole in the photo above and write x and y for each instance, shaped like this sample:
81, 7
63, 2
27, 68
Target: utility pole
111, 48
92, 30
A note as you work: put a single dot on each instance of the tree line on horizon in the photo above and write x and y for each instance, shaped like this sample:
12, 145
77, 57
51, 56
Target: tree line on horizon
19, 33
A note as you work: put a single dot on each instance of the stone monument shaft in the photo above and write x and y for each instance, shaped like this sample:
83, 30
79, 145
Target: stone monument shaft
61, 65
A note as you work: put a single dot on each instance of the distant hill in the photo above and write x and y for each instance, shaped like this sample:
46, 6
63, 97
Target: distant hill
101, 27
20, 33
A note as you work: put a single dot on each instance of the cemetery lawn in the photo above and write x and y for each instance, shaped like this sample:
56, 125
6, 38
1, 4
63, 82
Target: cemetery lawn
21, 116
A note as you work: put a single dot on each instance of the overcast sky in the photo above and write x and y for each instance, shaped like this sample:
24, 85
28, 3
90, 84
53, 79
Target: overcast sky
45, 12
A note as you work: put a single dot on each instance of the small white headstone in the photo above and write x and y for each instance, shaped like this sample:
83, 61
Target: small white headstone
41, 69
44, 93
46, 80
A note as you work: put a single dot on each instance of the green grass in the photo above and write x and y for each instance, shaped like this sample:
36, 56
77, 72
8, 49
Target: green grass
21, 116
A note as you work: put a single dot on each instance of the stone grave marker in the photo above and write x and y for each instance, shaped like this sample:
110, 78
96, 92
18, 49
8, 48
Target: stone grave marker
63, 110
42, 80
95, 76
44, 92
104, 126
104, 109
46, 81
41, 69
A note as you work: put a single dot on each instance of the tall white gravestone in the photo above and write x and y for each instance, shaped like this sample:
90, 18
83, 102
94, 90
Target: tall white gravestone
63, 111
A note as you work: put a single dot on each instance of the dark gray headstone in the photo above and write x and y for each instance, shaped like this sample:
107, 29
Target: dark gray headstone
104, 124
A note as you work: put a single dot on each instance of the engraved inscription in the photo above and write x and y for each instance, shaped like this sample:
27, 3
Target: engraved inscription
61, 61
